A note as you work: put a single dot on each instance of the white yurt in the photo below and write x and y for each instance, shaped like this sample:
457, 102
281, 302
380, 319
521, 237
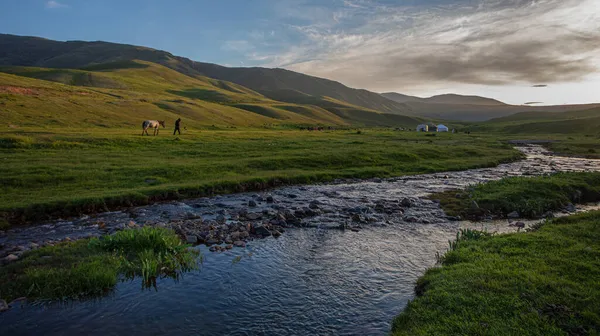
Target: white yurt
422, 128
442, 128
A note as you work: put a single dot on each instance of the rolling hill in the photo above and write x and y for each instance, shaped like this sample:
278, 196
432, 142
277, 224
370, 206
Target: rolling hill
123, 93
584, 122
102, 65
444, 99
39, 52
471, 108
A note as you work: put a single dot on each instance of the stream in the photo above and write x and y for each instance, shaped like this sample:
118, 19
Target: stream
314, 279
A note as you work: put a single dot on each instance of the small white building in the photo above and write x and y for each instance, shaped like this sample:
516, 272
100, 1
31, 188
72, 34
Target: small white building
422, 128
442, 128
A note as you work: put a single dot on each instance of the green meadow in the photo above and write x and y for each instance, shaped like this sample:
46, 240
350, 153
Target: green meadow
57, 172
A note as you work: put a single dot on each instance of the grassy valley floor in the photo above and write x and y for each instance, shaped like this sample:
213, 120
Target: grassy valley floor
50, 172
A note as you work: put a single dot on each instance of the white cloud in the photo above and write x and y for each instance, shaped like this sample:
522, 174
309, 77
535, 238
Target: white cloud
55, 4
382, 47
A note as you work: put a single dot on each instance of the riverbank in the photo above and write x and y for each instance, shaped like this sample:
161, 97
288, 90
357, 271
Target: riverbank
57, 173
543, 282
92, 267
516, 197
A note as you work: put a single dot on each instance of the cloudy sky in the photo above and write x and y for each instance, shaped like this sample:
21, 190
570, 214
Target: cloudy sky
517, 51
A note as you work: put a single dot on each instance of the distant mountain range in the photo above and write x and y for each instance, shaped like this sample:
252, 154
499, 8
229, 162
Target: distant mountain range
279, 95
444, 99
471, 108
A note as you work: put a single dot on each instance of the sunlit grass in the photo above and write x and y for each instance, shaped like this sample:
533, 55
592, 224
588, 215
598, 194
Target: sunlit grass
68, 171
536, 283
92, 267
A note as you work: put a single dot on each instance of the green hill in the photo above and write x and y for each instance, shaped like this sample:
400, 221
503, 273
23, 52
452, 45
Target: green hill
123, 93
38, 52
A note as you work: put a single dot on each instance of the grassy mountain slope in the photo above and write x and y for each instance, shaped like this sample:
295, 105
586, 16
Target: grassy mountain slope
37, 52
123, 93
573, 122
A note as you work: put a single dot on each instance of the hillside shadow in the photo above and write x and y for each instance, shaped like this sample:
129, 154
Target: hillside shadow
115, 66
202, 94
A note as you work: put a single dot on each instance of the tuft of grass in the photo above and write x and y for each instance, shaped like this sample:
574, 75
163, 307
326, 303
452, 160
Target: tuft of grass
536, 283
93, 267
529, 196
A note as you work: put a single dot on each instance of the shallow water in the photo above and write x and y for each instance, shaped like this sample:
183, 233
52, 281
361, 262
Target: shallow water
309, 281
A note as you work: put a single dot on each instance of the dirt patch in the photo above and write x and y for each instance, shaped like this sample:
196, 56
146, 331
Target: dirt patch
18, 90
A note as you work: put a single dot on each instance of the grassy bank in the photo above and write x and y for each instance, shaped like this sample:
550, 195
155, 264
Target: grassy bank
586, 147
544, 282
529, 196
60, 172
91, 267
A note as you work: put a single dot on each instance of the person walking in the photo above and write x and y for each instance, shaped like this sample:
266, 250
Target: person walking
177, 126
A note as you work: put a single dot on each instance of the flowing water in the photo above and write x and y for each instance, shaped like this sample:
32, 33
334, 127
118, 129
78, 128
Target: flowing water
309, 281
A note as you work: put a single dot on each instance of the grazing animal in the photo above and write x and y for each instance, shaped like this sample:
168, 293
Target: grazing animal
152, 124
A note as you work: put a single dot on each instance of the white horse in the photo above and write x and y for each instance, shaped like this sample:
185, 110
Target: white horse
152, 124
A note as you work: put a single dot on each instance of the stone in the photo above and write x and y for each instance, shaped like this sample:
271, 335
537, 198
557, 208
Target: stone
3, 306
406, 202
262, 231
548, 214
513, 215
276, 233
235, 235
520, 225
191, 239
21, 300
252, 203
11, 258
292, 196
229, 246
213, 248
221, 219
254, 216
270, 199
314, 204
410, 219
228, 240
299, 213
239, 243
571, 208
212, 241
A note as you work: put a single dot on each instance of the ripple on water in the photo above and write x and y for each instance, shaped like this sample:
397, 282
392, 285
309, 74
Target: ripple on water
306, 282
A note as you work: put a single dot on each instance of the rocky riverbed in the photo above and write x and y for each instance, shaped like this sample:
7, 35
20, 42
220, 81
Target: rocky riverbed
229, 221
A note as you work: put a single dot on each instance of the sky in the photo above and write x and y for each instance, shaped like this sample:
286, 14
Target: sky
517, 51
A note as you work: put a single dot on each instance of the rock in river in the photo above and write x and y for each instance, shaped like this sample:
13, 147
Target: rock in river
11, 258
513, 215
3, 306
239, 243
254, 216
262, 231
191, 239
